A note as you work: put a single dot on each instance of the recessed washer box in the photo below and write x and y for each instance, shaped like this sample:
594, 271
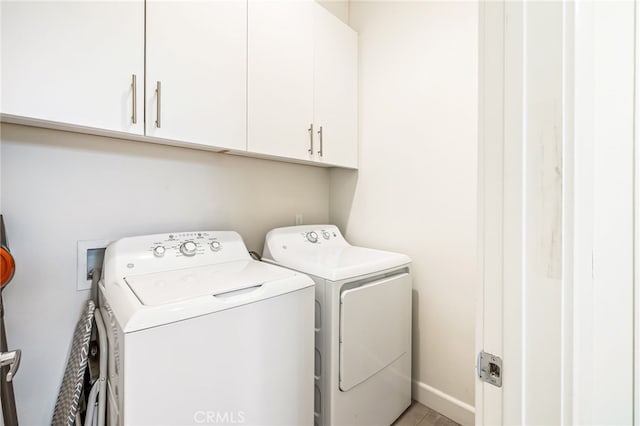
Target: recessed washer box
90, 255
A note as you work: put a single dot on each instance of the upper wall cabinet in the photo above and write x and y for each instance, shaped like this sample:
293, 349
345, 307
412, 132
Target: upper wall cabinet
196, 72
271, 78
76, 62
280, 83
335, 90
302, 83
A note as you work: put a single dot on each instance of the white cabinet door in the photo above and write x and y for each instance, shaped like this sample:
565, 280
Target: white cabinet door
73, 62
280, 108
335, 90
196, 53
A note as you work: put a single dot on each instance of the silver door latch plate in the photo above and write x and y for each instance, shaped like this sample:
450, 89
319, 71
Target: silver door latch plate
489, 368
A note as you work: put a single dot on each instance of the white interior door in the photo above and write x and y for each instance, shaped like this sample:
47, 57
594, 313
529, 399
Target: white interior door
605, 207
196, 52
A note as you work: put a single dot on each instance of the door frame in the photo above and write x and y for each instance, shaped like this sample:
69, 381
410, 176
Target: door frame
500, 207
600, 258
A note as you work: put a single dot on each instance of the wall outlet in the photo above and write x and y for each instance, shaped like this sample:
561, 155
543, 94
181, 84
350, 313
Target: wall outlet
299, 219
90, 255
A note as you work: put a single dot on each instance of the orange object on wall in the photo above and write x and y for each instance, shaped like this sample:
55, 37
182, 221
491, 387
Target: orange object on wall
7, 264
7, 267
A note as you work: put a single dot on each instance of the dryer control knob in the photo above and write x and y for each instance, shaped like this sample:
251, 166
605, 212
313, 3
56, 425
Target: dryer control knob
188, 248
158, 251
215, 245
312, 237
326, 235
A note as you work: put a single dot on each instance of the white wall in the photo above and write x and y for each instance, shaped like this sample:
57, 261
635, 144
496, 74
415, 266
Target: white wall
339, 8
58, 188
415, 191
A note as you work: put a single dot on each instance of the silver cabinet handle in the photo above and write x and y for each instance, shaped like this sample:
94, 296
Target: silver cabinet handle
310, 129
134, 90
320, 134
158, 103
12, 359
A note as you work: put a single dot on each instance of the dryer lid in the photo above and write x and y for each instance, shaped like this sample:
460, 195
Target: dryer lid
328, 256
341, 263
161, 288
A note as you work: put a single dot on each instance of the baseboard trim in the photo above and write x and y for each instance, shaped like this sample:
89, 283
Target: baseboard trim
445, 404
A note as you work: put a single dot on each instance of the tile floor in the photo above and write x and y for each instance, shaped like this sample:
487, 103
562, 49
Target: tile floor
419, 415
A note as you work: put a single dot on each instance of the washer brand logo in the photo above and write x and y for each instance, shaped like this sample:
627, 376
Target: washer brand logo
219, 417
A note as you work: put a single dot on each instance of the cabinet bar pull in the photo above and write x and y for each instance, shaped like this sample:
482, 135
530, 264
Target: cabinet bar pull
310, 129
134, 90
158, 103
320, 134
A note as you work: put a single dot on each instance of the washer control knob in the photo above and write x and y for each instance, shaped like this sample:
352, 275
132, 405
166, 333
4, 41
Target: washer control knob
215, 245
312, 237
326, 235
188, 248
158, 251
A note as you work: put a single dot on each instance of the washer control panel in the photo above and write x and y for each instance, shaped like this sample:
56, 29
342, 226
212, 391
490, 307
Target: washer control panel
187, 244
188, 248
320, 235
160, 252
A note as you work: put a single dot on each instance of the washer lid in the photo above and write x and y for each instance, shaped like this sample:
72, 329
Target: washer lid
339, 263
160, 288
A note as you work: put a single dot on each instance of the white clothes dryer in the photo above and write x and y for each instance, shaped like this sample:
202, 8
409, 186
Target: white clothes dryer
199, 333
362, 323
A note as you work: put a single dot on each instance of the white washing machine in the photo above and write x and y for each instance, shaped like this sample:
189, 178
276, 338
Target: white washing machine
362, 323
200, 333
